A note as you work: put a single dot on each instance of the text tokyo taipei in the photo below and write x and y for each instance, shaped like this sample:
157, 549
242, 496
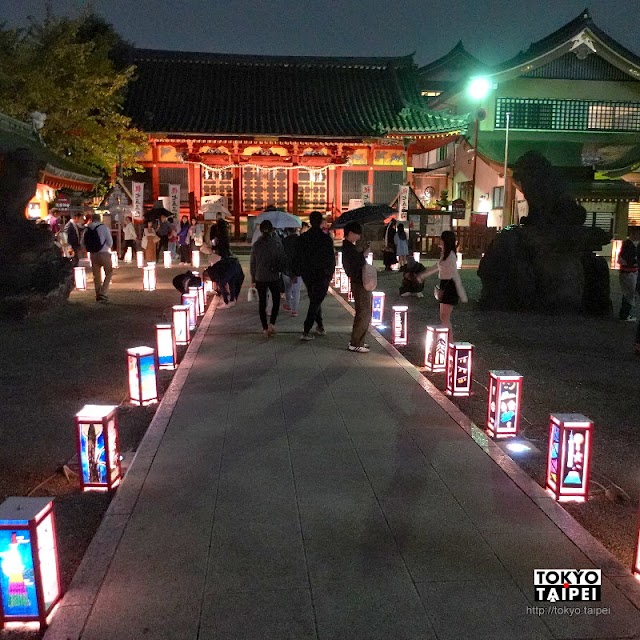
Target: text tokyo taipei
567, 585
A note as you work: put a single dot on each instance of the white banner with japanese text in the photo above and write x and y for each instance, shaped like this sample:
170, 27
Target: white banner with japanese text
403, 202
174, 199
137, 191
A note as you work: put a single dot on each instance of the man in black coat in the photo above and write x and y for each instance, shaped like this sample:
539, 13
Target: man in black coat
73, 229
315, 261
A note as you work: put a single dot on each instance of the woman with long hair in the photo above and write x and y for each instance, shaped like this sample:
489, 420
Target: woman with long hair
450, 290
184, 240
268, 259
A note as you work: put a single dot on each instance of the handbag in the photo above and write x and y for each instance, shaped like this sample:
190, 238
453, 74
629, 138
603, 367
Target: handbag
252, 294
369, 277
438, 293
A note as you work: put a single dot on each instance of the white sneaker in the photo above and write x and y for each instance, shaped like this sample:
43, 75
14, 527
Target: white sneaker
306, 337
364, 344
406, 294
419, 294
362, 349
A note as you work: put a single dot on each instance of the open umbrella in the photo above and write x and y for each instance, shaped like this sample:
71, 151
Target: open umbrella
279, 219
364, 215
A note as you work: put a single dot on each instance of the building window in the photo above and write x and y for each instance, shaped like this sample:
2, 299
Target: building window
262, 187
465, 192
498, 198
352, 182
312, 191
599, 219
567, 115
385, 186
177, 175
218, 183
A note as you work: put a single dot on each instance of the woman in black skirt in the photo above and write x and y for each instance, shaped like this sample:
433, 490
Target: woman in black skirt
449, 290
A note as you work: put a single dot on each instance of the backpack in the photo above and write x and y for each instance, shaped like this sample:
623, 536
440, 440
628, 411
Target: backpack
92, 240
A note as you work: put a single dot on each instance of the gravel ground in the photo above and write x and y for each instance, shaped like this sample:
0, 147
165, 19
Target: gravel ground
570, 363
54, 364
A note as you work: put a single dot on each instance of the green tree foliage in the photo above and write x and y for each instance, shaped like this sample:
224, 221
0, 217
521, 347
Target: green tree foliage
74, 70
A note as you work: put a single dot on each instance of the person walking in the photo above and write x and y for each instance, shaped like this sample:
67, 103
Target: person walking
292, 282
450, 290
353, 261
389, 247
184, 240
627, 275
73, 232
130, 238
315, 262
267, 261
98, 242
401, 243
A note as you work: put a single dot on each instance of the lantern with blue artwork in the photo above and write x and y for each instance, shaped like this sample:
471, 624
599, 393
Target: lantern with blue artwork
569, 456
98, 447
181, 324
399, 325
503, 407
29, 574
191, 300
435, 348
80, 278
459, 368
166, 343
377, 308
142, 376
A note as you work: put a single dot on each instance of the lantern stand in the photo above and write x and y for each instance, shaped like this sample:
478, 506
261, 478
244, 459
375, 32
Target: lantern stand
98, 444
143, 388
503, 405
436, 344
459, 369
29, 552
181, 324
166, 344
399, 325
140, 259
80, 278
149, 278
377, 308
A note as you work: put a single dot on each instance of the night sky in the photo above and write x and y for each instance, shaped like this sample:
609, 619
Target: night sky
493, 30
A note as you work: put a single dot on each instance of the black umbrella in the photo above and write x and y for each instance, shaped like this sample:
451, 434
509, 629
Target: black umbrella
154, 214
364, 215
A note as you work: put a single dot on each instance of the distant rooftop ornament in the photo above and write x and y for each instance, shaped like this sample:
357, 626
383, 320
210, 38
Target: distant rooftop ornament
582, 45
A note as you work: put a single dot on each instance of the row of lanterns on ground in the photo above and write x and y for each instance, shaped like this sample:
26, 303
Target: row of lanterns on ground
30, 585
149, 279
570, 434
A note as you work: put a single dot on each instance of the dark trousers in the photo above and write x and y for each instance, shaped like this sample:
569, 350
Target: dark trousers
362, 318
185, 253
163, 245
263, 287
316, 290
127, 244
231, 289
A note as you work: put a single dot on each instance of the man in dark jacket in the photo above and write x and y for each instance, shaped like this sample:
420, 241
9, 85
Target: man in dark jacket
315, 261
73, 229
352, 262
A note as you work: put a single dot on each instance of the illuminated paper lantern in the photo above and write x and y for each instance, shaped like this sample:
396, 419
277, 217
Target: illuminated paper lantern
395, 266
208, 286
140, 259
399, 326
166, 344
569, 456
195, 258
128, 255
616, 245
143, 389
166, 258
339, 261
436, 344
199, 301
416, 256
344, 282
369, 257
337, 277
459, 260
202, 297
29, 572
191, 300
459, 369
350, 297
377, 307
503, 410
98, 447
80, 278
149, 278
181, 324
114, 260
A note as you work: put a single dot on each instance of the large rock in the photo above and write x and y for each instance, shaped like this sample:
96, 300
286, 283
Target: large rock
546, 268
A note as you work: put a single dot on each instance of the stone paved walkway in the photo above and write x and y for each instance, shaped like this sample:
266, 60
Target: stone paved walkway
300, 491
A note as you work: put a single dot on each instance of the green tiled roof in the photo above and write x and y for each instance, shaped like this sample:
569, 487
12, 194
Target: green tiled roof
236, 95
